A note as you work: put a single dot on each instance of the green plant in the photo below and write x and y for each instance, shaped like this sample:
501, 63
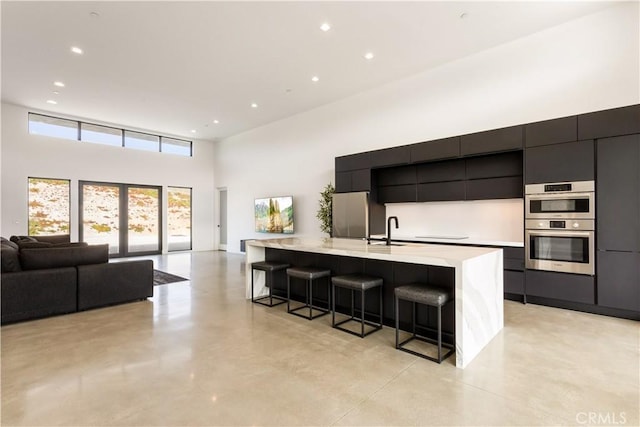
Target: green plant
324, 211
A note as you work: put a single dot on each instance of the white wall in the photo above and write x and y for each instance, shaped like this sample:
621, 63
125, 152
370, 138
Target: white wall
25, 155
588, 64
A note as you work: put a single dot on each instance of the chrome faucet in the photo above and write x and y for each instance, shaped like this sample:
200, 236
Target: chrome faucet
395, 218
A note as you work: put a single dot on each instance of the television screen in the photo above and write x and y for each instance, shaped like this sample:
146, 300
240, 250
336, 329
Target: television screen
274, 215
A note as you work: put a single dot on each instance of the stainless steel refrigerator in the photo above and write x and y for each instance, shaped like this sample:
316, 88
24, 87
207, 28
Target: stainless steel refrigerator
356, 216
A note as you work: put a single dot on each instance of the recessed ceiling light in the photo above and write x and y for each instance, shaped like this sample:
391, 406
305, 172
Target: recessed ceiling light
94, 14
463, 15
216, 122
315, 79
55, 92
51, 101
77, 50
59, 84
254, 105
368, 55
325, 27
193, 131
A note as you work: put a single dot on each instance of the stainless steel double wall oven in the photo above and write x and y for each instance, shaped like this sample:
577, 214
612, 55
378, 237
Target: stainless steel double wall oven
560, 227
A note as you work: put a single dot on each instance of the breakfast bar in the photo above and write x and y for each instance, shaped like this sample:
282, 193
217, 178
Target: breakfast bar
475, 274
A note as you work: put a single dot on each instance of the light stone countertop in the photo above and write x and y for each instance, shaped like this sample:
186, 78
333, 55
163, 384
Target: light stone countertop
454, 241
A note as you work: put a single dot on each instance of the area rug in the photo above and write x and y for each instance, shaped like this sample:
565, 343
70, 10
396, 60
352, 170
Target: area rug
162, 278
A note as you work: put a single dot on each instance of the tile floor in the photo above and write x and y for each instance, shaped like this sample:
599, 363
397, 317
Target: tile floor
199, 354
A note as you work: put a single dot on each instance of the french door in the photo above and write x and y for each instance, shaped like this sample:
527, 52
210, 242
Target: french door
128, 217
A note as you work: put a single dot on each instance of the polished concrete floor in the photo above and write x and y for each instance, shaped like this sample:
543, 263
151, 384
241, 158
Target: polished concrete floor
198, 353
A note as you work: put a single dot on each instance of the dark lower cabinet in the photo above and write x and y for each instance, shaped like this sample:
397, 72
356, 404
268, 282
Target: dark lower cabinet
619, 280
562, 286
513, 260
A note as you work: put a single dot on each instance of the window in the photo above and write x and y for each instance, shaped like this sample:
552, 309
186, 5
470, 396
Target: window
88, 132
176, 146
53, 126
179, 218
141, 141
100, 134
49, 206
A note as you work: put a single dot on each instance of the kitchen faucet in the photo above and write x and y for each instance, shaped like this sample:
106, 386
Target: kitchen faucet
395, 218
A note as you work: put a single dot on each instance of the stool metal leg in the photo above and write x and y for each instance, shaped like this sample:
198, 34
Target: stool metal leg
439, 334
310, 298
380, 305
288, 294
269, 285
397, 314
333, 305
253, 272
362, 313
413, 318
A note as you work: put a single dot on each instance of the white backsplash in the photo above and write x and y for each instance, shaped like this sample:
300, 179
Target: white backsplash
481, 219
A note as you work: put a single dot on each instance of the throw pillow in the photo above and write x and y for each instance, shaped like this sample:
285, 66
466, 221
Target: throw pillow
17, 239
24, 244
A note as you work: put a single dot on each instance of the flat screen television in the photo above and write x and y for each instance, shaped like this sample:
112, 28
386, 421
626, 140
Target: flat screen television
274, 215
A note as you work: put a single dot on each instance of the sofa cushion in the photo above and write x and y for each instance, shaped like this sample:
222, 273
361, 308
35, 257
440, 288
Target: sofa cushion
54, 238
26, 244
17, 239
10, 259
35, 259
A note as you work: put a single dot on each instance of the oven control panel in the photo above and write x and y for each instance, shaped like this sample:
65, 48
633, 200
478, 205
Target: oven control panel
564, 224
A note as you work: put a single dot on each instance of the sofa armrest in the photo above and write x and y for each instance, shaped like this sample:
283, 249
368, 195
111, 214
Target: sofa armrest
38, 293
113, 283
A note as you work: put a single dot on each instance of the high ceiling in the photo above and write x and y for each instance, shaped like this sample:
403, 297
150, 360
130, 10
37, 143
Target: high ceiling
174, 67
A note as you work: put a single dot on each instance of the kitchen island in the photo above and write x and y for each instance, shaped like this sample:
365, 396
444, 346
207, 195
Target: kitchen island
474, 274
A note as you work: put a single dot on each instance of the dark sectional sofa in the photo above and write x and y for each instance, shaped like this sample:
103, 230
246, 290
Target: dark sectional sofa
49, 275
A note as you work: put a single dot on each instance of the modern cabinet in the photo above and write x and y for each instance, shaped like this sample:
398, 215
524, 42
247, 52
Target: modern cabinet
441, 181
396, 184
618, 193
561, 286
553, 131
390, 156
513, 260
496, 176
570, 161
353, 173
619, 280
618, 222
613, 122
492, 141
438, 149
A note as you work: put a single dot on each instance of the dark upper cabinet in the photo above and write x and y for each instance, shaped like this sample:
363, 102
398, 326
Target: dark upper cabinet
397, 193
390, 156
509, 187
496, 165
618, 193
343, 182
361, 180
572, 161
505, 139
551, 132
446, 148
441, 191
448, 170
353, 162
614, 122
619, 280
396, 176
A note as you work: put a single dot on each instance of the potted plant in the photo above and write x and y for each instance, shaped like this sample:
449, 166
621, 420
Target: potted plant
324, 211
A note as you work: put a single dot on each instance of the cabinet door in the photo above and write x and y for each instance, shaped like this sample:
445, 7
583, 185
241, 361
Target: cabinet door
618, 193
390, 156
553, 131
505, 139
448, 170
397, 193
494, 188
441, 191
435, 150
361, 180
614, 122
514, 282
343, 182
396, 176
573, 161
353, 162
495, 165
619, 280
562, 286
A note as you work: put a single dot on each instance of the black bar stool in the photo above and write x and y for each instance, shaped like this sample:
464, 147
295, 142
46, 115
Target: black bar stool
308, 274
269, 269
354, 283
427, 295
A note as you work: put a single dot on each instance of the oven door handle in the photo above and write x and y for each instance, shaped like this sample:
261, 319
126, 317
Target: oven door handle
563, 233
547, 196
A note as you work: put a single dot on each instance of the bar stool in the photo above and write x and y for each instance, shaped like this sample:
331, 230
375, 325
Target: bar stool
354, 283
269, 269
430, 296
308, 274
